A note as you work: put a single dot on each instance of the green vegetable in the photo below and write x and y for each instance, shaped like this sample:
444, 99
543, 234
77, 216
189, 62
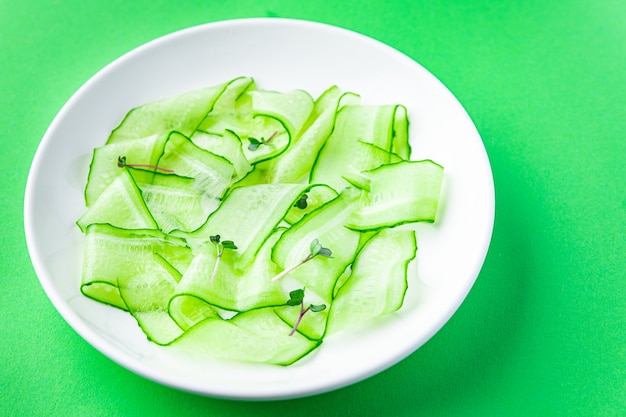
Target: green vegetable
220, 246
296, 298
315, 249
378, 281
403, 192
204, 211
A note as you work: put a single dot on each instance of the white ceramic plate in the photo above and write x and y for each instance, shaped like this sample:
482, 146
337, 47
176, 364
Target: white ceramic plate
281, 55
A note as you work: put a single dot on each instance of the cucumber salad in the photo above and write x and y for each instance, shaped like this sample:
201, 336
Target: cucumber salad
247, 224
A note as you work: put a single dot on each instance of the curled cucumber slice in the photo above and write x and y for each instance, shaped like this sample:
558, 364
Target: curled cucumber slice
245, 224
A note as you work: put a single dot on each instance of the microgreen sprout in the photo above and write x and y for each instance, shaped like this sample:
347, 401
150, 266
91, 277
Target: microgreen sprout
255, 143
302, 201
220, 245
296, 297
315, 249
121, 162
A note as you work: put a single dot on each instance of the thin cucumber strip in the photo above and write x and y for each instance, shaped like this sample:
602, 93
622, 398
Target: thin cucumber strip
262, 137
328, 100
343, 278
366, 157
225, 105
371, 124
326, 224
296, 162
378, 282
158, 326
227, 145
268, 141
187, 310
232, 111
288, 112
213, 174
292, 109
404, 192
242, 121
146, 294
110, 253
104, 166
248, 215
400, 142
230, 288
175, 202
182, 113
313, 198
257, 336
257, 176
121, 205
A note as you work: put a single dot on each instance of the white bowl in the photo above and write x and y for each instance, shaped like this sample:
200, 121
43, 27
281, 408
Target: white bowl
280, 54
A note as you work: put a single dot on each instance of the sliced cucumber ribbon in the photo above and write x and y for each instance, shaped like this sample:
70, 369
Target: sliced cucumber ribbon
208, 211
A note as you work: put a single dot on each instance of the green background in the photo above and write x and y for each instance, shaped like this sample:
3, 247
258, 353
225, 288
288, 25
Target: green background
543, 331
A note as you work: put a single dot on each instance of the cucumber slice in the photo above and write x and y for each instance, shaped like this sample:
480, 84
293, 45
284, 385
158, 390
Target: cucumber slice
226, 105
248, 215
112, 253
378, 281
104, 163
399, 193
187, 310
182, 113
231, 289
370, 124
257, 176
366, 157
343, 278
257, 336
175, 202
146, 294
315, 197
326, 224
232, 111
400, 142
213, 174
121, 204
228, 146
282, 115
291, 109
296, 162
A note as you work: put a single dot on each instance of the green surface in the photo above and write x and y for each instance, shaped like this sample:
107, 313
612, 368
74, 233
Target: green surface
543, 331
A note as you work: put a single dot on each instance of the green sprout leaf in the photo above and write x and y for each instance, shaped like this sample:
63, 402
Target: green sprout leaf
255, 143
325, 252
296, 297
220, 246
302, 202
315, 248
229, 244
317, 307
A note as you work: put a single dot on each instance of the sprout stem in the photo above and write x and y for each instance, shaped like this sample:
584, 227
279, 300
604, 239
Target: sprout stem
158, 168
291, 268
303, 311
215, 268
121, 162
